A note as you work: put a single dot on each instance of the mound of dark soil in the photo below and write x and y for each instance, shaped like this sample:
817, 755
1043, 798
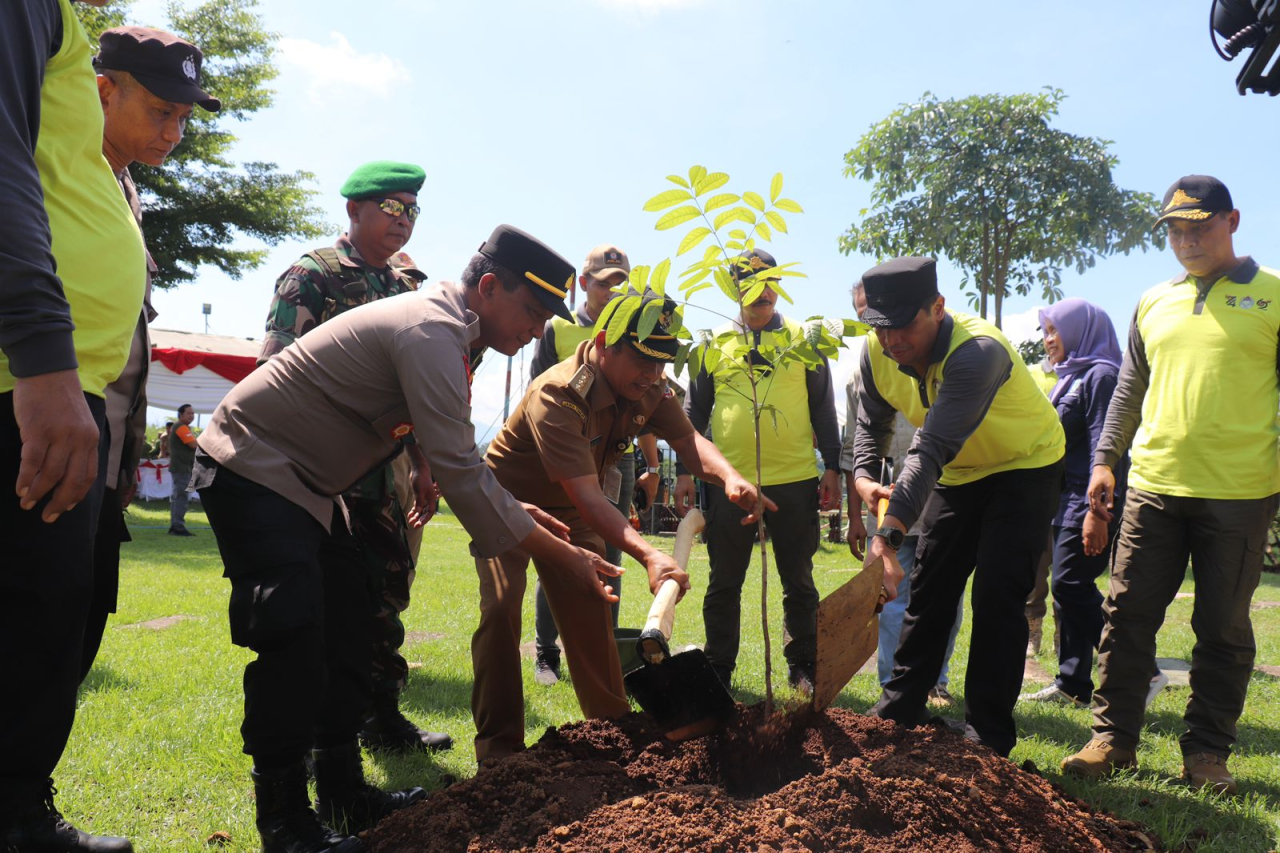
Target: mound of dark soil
835, 782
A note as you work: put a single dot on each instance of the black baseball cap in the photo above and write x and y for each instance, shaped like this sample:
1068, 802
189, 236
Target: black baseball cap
167, 66
660, 344
548, 274
897, 289
749, 263
1195, 197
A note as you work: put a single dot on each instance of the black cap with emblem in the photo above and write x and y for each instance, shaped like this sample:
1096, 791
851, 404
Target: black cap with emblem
167, 66
1194, 197
748, 264
896, 291
659, 345
548, 274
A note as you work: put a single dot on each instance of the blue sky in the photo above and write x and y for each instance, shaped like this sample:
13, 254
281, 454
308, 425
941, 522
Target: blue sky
563, 117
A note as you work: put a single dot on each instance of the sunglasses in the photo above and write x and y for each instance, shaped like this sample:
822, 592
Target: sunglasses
395, 207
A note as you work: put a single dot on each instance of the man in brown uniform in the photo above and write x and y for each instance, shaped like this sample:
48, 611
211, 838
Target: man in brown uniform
271, 483
559, 451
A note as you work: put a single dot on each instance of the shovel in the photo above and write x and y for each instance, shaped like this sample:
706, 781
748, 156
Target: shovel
848, 629
681, 692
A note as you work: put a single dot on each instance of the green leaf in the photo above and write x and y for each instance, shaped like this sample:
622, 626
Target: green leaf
754, 200
788, 205
764, 232
707, 183
679, 181
693, 238
775, 190
698, 288
737, 234
753, 293
734, 244
718, 201
739, 214
649, 318
696, 173
726, 285
776, 220
666, 199
658, 278
620, 318
639, 279
679, 216
776, 287
711, 360
854, 328
682, 355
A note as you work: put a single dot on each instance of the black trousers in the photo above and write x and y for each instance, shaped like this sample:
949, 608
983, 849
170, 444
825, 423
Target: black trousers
46, 581
110, 533
1077, 606
302, 599
793, 531
993, 529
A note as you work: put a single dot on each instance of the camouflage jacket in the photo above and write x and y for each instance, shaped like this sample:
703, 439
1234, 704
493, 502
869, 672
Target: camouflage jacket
321, 285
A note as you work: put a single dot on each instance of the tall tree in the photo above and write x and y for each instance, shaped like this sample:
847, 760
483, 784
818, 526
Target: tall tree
987, 182
200, 203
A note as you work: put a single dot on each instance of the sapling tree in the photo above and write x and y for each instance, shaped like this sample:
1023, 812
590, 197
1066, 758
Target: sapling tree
726, 227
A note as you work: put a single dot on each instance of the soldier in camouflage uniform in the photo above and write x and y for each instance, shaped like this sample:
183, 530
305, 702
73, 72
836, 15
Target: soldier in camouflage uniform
365, 265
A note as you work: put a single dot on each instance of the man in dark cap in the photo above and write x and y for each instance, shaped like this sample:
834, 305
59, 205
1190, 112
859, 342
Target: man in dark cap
146, 95
559, 451
382, 207
272, 484
71, 249
805, 403
1202, 485
982, 477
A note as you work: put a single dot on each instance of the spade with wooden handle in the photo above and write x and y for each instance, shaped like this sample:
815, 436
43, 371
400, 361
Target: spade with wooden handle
848, 628
681, 692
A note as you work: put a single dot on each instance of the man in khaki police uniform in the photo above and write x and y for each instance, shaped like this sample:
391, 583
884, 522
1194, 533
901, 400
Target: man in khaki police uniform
559, 451
606, 267
271, 483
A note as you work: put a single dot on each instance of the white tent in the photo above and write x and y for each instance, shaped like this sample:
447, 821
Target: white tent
188, 367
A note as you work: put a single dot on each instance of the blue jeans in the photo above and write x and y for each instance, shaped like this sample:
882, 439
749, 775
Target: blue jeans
891, 618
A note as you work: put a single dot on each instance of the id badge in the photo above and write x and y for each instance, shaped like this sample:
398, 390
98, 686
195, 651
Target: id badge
613, 484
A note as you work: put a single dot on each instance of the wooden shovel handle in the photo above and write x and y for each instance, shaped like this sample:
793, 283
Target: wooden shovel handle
662, 613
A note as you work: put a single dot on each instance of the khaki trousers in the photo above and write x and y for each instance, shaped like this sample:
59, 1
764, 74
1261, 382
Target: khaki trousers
586, 628
1224, 540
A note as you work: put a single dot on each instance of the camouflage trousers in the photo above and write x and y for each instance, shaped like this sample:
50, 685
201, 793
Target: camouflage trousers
379, 527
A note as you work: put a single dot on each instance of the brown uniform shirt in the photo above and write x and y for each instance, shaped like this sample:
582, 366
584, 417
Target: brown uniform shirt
570, 424
334, 405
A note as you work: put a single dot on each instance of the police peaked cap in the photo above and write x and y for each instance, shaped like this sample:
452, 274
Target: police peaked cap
548, 275
381, 177
897, 289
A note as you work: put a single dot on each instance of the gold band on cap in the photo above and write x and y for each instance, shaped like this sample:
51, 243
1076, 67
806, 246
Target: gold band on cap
652, 353
656, 337
547, 287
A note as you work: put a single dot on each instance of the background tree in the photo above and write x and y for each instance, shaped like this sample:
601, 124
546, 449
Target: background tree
199, 204
732, 224
1032, 351
986, 182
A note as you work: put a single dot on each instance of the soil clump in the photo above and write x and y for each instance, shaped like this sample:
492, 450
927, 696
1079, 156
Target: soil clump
837, 781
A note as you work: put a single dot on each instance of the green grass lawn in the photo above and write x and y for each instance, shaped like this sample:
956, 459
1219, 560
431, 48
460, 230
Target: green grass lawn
155, 753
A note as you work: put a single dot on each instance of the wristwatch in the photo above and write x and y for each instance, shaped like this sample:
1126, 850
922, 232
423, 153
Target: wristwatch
893, 537
653, 470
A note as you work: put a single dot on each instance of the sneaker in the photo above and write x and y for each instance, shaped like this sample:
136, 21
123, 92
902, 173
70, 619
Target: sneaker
940, 697
180, 531
1206, 770
800, 677
1160, 682
1053, 693
546, 670
1099, 758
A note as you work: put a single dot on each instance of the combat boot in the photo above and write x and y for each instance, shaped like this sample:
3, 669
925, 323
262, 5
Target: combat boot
1099, 758
345, 800
286, 820
31, 823
1206, 770
388, 729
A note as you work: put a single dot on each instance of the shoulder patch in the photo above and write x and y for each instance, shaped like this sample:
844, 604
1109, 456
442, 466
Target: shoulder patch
575, 408
581, 382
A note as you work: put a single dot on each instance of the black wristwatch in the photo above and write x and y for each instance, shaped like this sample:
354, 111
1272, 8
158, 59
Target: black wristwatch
892, 536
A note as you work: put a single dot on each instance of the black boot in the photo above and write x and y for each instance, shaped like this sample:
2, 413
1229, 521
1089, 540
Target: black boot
286, 821
344, 799
31, 823
386, 728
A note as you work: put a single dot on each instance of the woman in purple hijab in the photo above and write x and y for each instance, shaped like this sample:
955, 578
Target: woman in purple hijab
1082, 347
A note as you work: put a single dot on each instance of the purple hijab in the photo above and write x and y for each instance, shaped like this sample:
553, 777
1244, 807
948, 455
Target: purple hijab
1087, 337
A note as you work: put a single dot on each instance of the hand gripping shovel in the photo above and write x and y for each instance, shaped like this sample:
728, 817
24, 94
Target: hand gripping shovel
848, 629
681, 692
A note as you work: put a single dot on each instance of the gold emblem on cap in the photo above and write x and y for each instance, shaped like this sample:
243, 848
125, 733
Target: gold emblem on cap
549, 288
757, 263
652, 353
1180, 198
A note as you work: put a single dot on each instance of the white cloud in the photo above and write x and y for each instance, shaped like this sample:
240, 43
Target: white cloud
1022, 327
338, 68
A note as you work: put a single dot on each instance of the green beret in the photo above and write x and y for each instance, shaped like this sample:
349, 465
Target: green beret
381, 177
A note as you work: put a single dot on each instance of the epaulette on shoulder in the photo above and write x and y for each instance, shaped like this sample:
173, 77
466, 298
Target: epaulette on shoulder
582, 380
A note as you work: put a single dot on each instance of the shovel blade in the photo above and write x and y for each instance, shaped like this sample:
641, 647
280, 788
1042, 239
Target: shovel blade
848, 633
682, 694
